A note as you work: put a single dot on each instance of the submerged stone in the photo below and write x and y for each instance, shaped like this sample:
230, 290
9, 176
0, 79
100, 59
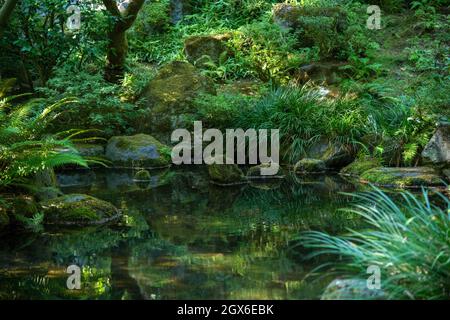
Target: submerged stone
403, 177
140, 150
78, 209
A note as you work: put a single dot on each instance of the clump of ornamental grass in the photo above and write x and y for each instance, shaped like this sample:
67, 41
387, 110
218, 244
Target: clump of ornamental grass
408, 238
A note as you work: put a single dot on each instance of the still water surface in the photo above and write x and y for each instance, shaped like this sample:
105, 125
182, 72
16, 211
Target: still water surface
182, 238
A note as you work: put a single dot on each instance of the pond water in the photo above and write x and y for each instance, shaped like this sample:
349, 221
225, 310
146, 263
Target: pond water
183, 238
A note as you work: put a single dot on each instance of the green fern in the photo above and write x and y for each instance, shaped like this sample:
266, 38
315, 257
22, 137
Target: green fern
25, 149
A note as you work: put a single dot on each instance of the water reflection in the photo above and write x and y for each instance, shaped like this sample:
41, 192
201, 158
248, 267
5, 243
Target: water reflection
182, 238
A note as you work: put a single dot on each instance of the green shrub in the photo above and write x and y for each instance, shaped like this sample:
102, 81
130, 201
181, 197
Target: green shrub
408, 238
99, 104
25, 148
303, 116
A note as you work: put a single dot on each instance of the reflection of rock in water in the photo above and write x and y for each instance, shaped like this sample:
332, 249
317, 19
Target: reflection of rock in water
122, 284
80, 178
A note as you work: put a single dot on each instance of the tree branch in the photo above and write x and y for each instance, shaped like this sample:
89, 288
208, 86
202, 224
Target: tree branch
111, 6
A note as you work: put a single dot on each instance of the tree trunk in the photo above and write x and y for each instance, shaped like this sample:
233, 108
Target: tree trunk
117, 52
118, 45
5, 13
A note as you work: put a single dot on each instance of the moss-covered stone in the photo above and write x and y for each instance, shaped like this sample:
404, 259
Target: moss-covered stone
170, 98
226, 174
308, 165
255, 172
359, 166
403, 177
201, 49
142, 175
140, 150
78, 209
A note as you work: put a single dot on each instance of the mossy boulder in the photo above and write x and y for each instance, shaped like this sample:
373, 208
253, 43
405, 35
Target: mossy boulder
226, 174
359, 166
403, 177
255, 172
334, 155
308, 165
140, 150
351, 289
170, 97
201, 49
437, 150
78, 209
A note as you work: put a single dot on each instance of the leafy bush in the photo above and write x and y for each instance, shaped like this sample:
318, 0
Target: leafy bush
99, 104
24, 147
408, 238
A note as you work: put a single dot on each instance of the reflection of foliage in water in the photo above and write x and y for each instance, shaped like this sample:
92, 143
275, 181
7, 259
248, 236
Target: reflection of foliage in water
189, 239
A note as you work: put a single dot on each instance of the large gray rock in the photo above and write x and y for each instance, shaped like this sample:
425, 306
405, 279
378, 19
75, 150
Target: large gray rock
437, 151
140, 150
351, 289
78, 209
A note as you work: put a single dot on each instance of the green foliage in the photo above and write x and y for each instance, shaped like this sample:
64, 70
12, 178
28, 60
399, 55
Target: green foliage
404, 130
99, 104
407, 237
221, 111
25, 149
303, 116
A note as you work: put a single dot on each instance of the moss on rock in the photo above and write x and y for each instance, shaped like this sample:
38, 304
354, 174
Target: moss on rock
308, 165
170, 97
359, 166
255, 172
78, 209
225, 174
403, 177
140, 150
201, 49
